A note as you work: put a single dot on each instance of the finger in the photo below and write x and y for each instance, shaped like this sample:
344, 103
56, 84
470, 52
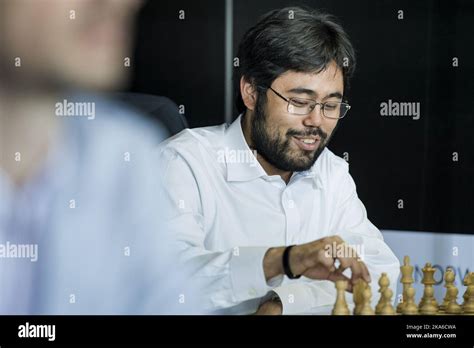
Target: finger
359, 270
337, 276
326, 259
365, 275
337, 239
330, 246
354, 265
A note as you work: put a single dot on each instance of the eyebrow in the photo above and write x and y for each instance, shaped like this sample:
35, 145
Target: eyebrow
310, 92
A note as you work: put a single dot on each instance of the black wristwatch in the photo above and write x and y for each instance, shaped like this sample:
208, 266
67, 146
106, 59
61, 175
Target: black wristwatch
286, 263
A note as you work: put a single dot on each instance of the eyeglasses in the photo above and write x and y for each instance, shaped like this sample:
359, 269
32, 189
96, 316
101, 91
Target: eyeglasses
300, 106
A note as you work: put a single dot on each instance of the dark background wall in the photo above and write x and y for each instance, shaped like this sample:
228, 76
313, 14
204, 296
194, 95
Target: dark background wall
183, 59
405, 60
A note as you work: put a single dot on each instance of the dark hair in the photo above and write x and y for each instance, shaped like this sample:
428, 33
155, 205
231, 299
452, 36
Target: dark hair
292, 38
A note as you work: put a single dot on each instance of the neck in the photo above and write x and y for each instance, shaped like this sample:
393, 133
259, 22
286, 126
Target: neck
28, 126
269, 168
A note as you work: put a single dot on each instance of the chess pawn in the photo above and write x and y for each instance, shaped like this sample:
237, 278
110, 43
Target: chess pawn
468, 307
367, 299
427, 307
402, 304
384, 283
387, 308
340, 307
466, 282
407, 279
410, 307
453, 307
358, 295
449, 277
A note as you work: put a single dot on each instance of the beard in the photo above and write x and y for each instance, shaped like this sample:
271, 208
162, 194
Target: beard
276, 150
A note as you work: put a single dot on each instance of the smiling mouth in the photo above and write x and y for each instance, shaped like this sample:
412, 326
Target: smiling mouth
307, 143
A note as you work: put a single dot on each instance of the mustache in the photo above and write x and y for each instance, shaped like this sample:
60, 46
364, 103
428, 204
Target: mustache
307, 132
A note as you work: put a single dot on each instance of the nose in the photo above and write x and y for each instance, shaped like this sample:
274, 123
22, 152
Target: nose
315, 117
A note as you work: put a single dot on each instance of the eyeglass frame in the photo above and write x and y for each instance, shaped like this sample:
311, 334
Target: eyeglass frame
314, 102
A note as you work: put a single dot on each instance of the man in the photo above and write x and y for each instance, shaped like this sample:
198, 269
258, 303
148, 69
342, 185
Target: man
244, 222
79, 233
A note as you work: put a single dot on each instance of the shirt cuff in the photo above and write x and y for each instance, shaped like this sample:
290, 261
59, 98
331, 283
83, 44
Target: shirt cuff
248, 277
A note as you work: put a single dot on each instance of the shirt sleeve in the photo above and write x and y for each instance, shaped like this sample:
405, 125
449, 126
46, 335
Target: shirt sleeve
224, 278
353, 226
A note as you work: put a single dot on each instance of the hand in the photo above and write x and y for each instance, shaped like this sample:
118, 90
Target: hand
316, 260
271, 307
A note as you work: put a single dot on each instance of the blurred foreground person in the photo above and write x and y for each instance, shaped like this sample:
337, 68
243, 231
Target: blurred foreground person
79, 229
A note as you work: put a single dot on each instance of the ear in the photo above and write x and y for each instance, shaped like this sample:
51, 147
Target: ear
248, 92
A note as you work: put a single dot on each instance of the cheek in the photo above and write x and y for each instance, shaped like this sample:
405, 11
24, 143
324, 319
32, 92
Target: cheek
282, 126
279, 122
329, 127
275, 120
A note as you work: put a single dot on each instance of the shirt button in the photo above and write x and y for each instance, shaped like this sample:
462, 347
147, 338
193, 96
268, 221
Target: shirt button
291, 203
252, 292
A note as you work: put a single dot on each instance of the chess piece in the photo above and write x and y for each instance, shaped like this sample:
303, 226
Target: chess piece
387, 308
340, 307
428, 280
384, 283
468, 307
466, 282
449, 277
428, 308
410, 307
358, 295
452, 295
367, 299
407, 279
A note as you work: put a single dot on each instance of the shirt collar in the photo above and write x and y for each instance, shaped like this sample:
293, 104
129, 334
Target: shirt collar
242, 164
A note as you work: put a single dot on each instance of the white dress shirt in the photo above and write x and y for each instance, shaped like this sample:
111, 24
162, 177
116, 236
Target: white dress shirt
226, 212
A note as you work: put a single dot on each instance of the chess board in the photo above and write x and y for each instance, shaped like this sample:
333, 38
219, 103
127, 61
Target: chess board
362, 295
